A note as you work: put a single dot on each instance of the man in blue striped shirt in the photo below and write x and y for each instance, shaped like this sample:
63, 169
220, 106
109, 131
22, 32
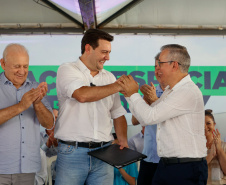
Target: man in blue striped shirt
23, 108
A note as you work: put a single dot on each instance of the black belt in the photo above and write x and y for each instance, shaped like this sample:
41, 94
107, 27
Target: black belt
174, 160
84, 144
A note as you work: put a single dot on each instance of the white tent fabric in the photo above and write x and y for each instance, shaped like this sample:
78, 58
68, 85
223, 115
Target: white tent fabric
147, 16
178, 14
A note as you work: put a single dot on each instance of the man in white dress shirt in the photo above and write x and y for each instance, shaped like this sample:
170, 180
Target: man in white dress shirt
88, 100
179, 114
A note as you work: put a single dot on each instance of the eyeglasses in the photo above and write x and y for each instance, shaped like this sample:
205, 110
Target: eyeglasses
166, 62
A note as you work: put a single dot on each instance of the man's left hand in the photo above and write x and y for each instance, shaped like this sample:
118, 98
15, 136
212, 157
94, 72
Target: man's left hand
129, 85
149, 92
43, 90
52, 141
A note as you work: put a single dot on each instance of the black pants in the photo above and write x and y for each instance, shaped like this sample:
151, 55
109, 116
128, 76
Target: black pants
146, 173
191, 173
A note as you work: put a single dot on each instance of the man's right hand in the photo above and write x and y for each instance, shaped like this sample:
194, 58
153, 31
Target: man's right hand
51, 141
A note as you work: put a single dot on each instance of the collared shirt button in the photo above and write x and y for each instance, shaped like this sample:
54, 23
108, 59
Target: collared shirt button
22, 127
22, 141
23, 156
21, 114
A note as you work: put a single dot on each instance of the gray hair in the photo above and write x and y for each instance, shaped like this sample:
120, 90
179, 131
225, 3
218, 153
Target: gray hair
157, 56
15, 47
180, 54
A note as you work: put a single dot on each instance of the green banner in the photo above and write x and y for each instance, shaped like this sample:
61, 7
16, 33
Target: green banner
210, 79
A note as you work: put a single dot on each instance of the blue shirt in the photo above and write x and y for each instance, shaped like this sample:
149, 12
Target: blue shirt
136, 142
150, 145
130, 169
19, 136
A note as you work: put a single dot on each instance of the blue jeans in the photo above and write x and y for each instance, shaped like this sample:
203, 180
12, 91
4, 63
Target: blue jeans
75, 167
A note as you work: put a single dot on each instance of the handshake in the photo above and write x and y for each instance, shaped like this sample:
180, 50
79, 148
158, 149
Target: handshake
128, 86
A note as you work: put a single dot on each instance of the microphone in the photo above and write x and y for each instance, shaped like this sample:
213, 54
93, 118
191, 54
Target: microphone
92, 85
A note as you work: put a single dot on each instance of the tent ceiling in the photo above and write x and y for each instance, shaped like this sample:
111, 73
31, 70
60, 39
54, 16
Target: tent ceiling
119, 16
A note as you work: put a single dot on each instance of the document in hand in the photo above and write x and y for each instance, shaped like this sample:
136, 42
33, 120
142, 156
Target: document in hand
116, 157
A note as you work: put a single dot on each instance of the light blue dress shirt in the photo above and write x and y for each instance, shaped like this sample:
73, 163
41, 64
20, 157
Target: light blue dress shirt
19, 136
150, 145
136, 142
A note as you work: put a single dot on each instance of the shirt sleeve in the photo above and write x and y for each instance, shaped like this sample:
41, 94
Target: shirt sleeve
131, 144
117, 109
69, 78
44, 147
175, 104
131, 108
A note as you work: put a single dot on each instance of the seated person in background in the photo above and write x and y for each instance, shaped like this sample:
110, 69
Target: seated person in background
126, 175
136, 142
216, 154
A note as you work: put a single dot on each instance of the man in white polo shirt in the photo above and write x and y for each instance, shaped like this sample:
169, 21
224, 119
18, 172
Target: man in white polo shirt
88, 100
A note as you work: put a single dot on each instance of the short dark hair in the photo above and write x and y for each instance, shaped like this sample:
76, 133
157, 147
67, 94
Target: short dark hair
157, 56
92, 37
208, 112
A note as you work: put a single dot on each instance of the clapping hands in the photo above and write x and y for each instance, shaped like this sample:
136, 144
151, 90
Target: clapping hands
34, 96
149, 92
216, 143
217, 139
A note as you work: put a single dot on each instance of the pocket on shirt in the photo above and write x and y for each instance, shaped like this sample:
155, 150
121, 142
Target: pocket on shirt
65, 149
